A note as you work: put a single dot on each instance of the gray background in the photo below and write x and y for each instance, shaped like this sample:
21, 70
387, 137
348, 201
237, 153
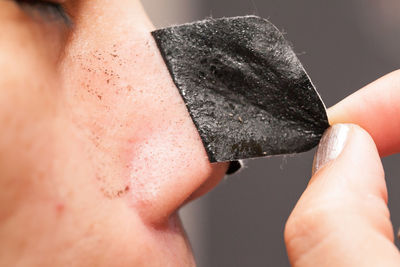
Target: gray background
343, 45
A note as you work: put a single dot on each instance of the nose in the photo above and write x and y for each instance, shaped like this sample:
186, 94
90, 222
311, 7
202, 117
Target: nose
144, 141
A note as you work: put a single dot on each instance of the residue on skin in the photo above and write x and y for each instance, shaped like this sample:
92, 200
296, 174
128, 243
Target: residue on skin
139, 127
103, 71
111, 194
100, 77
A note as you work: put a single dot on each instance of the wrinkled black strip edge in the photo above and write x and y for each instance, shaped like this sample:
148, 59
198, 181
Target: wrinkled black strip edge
210, 155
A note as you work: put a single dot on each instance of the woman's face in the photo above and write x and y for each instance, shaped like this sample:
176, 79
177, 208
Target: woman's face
97, 150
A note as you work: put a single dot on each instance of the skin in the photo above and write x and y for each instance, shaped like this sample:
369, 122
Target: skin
97, 151
342, 218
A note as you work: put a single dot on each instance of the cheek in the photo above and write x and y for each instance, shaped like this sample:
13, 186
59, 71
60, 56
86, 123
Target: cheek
28, 112
144, 143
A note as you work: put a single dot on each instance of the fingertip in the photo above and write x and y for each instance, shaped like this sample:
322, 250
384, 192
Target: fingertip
375, 108
347, 157
361, 161
342, 209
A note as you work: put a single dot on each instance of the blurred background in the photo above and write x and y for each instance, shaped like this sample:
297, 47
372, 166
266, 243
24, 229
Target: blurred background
344, 45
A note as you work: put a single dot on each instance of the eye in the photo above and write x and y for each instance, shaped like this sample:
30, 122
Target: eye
45, 10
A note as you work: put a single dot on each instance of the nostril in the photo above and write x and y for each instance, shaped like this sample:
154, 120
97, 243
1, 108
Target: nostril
234, 166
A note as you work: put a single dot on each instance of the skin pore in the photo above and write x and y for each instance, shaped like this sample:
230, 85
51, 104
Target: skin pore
98, 151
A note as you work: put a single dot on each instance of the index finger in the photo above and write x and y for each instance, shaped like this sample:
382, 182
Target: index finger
376, 108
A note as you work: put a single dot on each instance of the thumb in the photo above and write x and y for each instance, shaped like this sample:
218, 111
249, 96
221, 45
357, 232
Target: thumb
342, 218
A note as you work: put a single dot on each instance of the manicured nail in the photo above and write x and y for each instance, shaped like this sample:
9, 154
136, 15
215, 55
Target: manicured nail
331, 145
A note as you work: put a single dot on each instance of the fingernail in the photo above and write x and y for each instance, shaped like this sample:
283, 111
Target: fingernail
331, 145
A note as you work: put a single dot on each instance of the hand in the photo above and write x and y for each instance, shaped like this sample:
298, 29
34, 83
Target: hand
342, 218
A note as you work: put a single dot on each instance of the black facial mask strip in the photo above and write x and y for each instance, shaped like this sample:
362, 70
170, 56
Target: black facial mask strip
245, 89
